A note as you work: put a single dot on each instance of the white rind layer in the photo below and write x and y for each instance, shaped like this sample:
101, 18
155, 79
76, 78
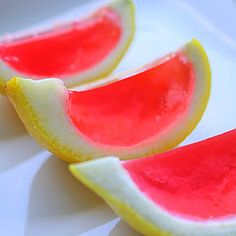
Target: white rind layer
110, 180
45, 115
126, 10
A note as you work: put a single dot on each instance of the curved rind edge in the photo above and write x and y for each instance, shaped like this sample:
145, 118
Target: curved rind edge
198, 56
129, 214
2, 86
16, 94
126, 8
27, 105
124, 197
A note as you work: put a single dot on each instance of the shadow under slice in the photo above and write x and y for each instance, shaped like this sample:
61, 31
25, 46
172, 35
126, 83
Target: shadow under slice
10, 124
60, 205
16, 150
123, 229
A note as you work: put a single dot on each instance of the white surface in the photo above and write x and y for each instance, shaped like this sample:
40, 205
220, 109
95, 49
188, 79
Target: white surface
38, 196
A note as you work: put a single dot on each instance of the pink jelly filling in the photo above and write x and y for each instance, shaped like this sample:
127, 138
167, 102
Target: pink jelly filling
196, 181
67, 49
134, 109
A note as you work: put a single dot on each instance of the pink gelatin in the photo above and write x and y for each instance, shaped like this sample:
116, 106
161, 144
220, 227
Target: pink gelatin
129, 111
196, 181
65, 50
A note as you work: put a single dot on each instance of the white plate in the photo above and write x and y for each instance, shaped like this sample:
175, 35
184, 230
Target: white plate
38, 196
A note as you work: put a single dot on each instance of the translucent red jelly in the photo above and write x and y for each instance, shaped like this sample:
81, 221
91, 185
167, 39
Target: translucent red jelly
196, 181
65, 50
129, 111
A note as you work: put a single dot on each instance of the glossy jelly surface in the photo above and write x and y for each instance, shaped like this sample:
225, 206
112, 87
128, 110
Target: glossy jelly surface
64, 50
131, 110
196, 181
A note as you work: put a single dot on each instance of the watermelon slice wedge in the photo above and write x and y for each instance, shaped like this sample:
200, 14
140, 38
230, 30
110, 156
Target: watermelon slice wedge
149, 110
77, 51
189, 191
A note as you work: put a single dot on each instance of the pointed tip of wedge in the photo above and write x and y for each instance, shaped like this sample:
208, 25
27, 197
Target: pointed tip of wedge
196, 51
42, 106
73, 168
